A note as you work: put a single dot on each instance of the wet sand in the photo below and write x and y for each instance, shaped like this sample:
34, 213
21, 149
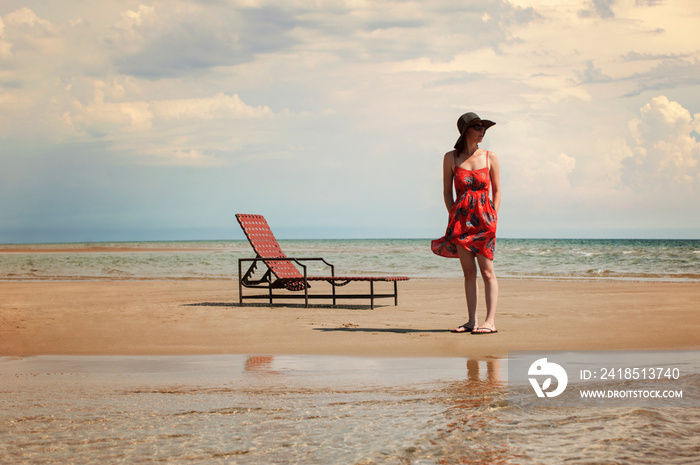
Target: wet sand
188, 317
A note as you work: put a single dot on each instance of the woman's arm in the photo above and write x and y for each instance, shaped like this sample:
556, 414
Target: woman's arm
447, 175
495, 182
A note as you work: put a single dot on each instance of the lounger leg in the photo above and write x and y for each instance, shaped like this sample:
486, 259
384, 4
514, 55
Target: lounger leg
333, 283
240, 285
269, 289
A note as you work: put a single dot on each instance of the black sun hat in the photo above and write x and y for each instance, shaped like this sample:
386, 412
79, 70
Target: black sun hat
467, 120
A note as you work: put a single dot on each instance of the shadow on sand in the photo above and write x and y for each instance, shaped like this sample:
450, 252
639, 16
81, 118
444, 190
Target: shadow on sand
283, 305
382, 330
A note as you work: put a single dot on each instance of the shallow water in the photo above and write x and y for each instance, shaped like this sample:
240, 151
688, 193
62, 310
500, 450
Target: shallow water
311, 410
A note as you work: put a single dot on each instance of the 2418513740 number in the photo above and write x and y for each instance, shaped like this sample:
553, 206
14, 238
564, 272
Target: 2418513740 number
640, 373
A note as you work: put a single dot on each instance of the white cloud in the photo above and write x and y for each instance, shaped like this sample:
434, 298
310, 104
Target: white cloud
131, 19
26, 17
5, 46
26, 33
179, 157
217, 107
100, 117
176, 131
665, 155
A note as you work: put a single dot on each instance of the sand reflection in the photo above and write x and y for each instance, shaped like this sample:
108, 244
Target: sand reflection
474, 406
259, 363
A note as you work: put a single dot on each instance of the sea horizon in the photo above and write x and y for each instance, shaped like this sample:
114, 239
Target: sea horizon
243, 239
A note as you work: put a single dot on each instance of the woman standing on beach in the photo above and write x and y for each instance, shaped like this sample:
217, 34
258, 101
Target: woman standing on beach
471, 230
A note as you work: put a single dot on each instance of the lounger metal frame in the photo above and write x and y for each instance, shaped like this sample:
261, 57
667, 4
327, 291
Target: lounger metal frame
282, 272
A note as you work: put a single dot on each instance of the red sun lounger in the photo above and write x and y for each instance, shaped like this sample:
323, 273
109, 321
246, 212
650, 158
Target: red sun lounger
282, 272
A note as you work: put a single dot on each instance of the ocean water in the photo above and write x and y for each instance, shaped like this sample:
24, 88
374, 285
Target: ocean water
641, 260
234, 409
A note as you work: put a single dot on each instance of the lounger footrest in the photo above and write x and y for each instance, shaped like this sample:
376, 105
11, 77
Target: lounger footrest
343, 280
352, 278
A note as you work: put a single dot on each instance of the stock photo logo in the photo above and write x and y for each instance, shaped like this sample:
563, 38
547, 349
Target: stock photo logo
542, 368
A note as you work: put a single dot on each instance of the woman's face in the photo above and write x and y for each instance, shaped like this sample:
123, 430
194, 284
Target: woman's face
476, 133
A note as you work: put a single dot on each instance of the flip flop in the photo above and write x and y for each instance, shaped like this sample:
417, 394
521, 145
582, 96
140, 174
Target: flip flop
486, 331
464, 326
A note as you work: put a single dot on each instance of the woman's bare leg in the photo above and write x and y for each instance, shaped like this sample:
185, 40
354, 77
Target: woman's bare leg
466, 259
491, 290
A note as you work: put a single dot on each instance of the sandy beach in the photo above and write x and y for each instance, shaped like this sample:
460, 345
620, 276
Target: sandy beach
199, 378
180, 317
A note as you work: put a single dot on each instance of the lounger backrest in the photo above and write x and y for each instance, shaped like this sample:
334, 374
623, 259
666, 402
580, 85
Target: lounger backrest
266, 246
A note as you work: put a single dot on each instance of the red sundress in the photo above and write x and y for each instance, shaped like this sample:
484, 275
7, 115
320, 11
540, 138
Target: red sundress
472, 222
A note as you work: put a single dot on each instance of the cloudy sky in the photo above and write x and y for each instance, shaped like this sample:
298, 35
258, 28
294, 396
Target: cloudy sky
159, 120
